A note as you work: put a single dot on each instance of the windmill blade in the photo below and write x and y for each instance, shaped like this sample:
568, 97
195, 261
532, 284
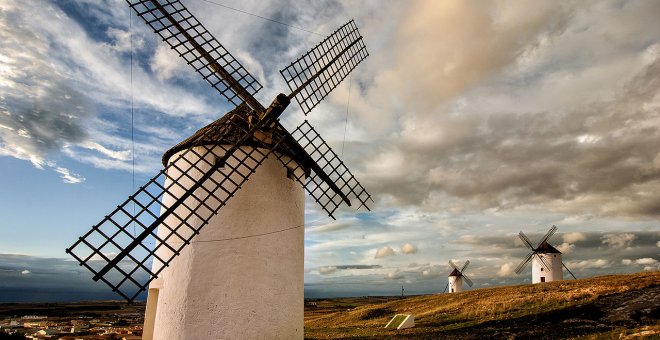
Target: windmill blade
569, 271
332, 182
526, 240
453, 265
524, 263
467, 279
467, 263
319, 71
172, 21
125, 260
543, 262
446, 287
548, 235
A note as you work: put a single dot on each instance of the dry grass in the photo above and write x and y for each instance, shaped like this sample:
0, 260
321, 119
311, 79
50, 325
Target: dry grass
453, 311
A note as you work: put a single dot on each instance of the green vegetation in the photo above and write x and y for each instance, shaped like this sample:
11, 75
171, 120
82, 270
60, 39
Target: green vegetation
396, 322
581, 307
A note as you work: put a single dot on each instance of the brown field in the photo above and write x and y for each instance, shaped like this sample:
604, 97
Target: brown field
599, 307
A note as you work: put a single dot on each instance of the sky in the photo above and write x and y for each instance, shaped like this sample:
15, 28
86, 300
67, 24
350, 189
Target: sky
468, 122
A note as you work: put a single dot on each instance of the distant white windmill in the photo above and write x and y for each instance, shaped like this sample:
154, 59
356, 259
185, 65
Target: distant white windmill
546, 259
455, 278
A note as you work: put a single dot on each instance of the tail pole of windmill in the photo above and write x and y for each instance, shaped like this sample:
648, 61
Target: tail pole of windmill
220, 239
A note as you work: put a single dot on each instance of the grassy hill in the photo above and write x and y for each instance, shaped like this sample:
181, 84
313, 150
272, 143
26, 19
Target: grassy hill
605, 306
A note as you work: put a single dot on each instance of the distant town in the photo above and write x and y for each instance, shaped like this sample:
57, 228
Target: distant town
72, 321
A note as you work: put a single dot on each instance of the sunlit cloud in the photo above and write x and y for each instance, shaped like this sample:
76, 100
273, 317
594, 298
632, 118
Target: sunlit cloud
384, 252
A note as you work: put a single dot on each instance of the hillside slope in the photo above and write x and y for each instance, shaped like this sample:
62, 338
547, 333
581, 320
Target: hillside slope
605, 305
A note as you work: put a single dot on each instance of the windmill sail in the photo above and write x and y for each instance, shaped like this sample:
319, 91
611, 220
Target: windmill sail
537, 252
321, 154
524, 263
120, 258
189, 38
119, 250
460, 273
547, 235
319, 71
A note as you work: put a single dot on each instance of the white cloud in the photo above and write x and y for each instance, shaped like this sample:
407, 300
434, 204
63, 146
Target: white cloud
646, 261
165, 63
327, 227
121, 40
506, 270
618, 240
408, 249
327, 270
69, 177
566, 247
25, 272
574, 237
588, 264
429, 272
384, 252
395, 275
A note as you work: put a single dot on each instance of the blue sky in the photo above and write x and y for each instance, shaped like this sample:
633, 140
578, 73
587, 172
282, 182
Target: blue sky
469, 122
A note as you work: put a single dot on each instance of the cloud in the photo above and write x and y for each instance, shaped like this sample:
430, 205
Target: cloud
48, 279
384, 252
165, 63
433, 271
68, 176
574, 237
121, 40
588, 264
462, 139
395, 275
52, 64
327, 270
328, 227
618, 240
565, 247
408, 249
506, 269
357, 266
646, 261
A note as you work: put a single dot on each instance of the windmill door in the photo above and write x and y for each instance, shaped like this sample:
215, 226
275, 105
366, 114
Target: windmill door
542, 278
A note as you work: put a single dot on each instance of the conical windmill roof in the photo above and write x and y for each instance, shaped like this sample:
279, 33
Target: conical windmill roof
546, 248
455, 272
228, 130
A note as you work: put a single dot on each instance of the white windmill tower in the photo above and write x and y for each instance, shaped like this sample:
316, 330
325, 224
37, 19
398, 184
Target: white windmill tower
546, 259
238, 244
456, 277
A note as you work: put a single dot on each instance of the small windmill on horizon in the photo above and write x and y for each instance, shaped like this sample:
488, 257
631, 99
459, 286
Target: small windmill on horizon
456, 277
546, 260
221, 256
